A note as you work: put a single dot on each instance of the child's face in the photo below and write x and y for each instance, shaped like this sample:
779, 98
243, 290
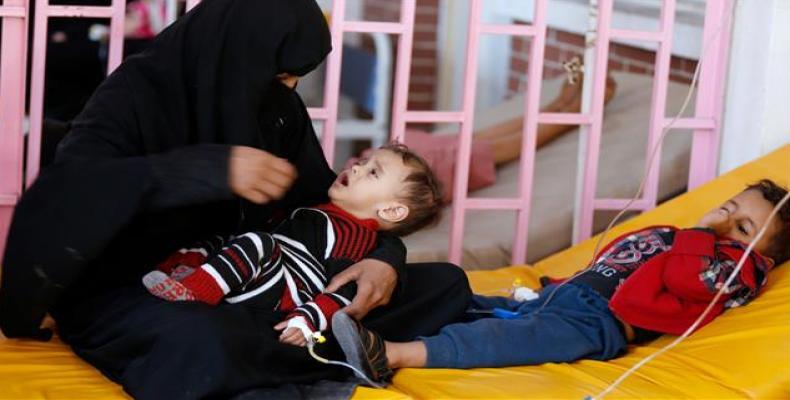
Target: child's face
372, 187
741, 217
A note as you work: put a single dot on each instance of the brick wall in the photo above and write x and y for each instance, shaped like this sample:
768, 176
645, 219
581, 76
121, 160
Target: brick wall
423, 82
562, 46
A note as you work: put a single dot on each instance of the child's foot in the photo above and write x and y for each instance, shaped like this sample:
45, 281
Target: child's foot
165, 287
363, 349
180, 272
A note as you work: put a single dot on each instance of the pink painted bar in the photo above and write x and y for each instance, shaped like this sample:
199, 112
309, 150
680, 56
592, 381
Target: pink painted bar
37, 89
644, 36
191, 4
492, 204
433, 116
564, 118
659, 102
368, 26
8, 199
692, 123
464, 154
530, 134
318, 113
589, 178
710, 97
13, 61
12, 11
523, 30
332, 80
117, 22
400, 89
80, 11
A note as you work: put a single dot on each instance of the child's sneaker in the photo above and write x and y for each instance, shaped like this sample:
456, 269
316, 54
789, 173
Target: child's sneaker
364, 349
165, 287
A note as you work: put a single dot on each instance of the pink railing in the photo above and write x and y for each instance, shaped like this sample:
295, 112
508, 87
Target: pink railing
44, 11
13, 50
705, 122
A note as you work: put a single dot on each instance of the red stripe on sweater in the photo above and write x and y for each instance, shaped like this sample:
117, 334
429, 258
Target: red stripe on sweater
328, 307
239, 261
341, 238
287, 302
203, 285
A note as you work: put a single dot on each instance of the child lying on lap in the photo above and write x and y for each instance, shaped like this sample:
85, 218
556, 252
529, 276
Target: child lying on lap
393, 190
645, 283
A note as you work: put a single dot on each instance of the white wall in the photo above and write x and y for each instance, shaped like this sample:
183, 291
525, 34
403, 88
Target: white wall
756, 116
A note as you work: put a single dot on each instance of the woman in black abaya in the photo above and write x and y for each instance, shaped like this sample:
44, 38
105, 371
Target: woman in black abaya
195, 136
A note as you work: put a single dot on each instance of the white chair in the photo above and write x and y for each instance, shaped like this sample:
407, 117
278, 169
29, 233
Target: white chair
365, 81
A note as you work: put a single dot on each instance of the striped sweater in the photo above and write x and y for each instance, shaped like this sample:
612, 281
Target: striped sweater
287, 269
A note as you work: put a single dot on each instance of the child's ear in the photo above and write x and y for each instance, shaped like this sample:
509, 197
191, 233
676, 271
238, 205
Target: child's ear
393, 212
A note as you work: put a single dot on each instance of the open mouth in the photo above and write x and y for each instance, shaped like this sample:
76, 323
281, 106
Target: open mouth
343, 179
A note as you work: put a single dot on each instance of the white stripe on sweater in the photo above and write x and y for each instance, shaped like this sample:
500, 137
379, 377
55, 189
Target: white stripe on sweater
230, 267
217, 277
289, 282
321, 316
298, 249
254, 269
330, 233
257, 241
244, 296
339, 298
304, 266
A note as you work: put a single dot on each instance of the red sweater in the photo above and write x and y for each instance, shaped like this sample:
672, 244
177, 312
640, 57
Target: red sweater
671, 290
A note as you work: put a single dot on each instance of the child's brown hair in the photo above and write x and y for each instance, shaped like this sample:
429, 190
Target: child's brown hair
423, 192
779, 245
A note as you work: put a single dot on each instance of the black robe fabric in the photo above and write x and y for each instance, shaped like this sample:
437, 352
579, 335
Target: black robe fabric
144, 169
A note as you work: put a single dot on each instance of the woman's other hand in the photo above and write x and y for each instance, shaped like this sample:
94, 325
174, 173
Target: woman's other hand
375, 280
259, 176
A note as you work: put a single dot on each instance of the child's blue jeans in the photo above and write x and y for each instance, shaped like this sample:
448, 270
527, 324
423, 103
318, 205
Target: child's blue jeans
576, 324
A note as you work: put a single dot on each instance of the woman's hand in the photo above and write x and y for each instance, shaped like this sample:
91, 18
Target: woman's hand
258, 176
375, 280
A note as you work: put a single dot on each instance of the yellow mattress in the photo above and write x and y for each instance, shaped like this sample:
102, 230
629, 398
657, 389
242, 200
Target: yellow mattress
744, 353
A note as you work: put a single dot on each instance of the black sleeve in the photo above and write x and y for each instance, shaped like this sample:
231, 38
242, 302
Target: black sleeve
107, 135
95, 188
390, 249
308, 227
190, 175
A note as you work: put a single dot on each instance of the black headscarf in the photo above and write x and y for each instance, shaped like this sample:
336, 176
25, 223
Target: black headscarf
145, 165
206, 78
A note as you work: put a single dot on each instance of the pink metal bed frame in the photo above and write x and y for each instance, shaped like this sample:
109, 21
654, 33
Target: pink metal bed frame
705, 123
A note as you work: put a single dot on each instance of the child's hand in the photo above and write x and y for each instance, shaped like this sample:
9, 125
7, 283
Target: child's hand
295, 331
293, 336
